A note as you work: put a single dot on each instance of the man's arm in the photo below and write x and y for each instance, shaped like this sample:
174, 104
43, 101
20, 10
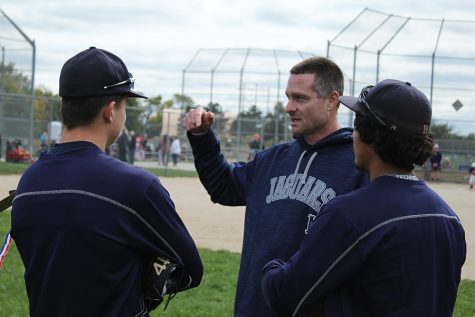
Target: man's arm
226, 183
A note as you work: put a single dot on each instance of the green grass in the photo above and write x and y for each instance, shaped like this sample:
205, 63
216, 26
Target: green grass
215, 295
7, 168
465, 305
172, 172
213, 298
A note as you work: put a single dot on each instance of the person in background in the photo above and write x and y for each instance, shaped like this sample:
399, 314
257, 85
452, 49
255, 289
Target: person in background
164, 147
175, 150
435, 163
471, 180
122, 145
391, 248
254, 146
139, 147
43, 142
87, 226
132, 146
285, 186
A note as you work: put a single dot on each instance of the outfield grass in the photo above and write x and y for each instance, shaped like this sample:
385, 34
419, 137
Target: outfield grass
213, 298
7, 168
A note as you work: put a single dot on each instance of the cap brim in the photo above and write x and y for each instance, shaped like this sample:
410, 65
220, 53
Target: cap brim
351, 102
135, 95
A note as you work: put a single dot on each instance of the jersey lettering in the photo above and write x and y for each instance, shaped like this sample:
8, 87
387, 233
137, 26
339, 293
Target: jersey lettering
311, 191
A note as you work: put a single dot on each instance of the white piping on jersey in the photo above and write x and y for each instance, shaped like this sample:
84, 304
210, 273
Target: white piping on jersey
306, 168
143, 310
108, 200
357, 241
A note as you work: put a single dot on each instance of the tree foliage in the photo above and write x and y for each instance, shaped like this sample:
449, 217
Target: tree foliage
13, 81
276, 122
183, 101
248, 122
446, 131
272, 124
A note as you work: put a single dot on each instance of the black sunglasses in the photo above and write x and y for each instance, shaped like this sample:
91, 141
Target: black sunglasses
362, 100
130, 81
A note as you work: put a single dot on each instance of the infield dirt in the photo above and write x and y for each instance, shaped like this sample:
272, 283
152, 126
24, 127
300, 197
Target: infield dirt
219, 227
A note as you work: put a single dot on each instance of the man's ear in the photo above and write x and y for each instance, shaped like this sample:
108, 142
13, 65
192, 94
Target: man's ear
333, 99
108, 110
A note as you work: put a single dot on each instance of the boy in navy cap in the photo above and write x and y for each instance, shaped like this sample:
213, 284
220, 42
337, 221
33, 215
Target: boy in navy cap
86, 225
391, 248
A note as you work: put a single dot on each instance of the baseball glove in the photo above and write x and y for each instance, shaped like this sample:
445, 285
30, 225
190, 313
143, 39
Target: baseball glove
162, 277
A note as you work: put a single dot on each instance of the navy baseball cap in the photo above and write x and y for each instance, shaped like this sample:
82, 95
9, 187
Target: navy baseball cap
96, 72
394, 104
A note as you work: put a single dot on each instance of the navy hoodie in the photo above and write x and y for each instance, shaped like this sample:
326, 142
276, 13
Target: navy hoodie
283, 188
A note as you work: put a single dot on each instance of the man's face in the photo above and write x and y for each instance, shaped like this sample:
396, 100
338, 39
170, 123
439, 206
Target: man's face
308, 113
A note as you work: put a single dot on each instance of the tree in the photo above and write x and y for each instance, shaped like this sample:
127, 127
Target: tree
276, 121
155, 121
220, 119
47, 108
15, 84
134, 113
183, 101
441, 131
250, 121
155, 109
13, 81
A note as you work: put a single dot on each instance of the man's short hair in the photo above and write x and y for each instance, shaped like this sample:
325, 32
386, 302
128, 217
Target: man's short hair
399, 150
329, 76
78, 112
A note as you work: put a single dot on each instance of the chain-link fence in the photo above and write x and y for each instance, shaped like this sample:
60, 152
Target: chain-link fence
15, 123
252, 82
435, 55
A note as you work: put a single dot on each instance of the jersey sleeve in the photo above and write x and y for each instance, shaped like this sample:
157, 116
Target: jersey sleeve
161, 232
226, 183
324, 260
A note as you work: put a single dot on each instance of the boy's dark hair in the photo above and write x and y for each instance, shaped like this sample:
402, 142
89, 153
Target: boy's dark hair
400, 151
78, 112
329, 76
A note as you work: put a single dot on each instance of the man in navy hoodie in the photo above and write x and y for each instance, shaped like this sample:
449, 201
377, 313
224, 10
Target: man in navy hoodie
391, 248
285, 186
87, 225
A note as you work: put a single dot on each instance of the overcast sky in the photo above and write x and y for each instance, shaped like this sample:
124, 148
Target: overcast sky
157, 39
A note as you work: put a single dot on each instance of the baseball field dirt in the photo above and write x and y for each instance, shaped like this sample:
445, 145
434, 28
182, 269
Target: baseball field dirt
218, 227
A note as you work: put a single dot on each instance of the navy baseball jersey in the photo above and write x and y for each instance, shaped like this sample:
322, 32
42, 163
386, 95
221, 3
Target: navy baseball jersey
86, 226
391, 248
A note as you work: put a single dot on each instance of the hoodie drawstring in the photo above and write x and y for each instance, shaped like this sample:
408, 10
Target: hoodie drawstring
298, 165
304, 177
306, 168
